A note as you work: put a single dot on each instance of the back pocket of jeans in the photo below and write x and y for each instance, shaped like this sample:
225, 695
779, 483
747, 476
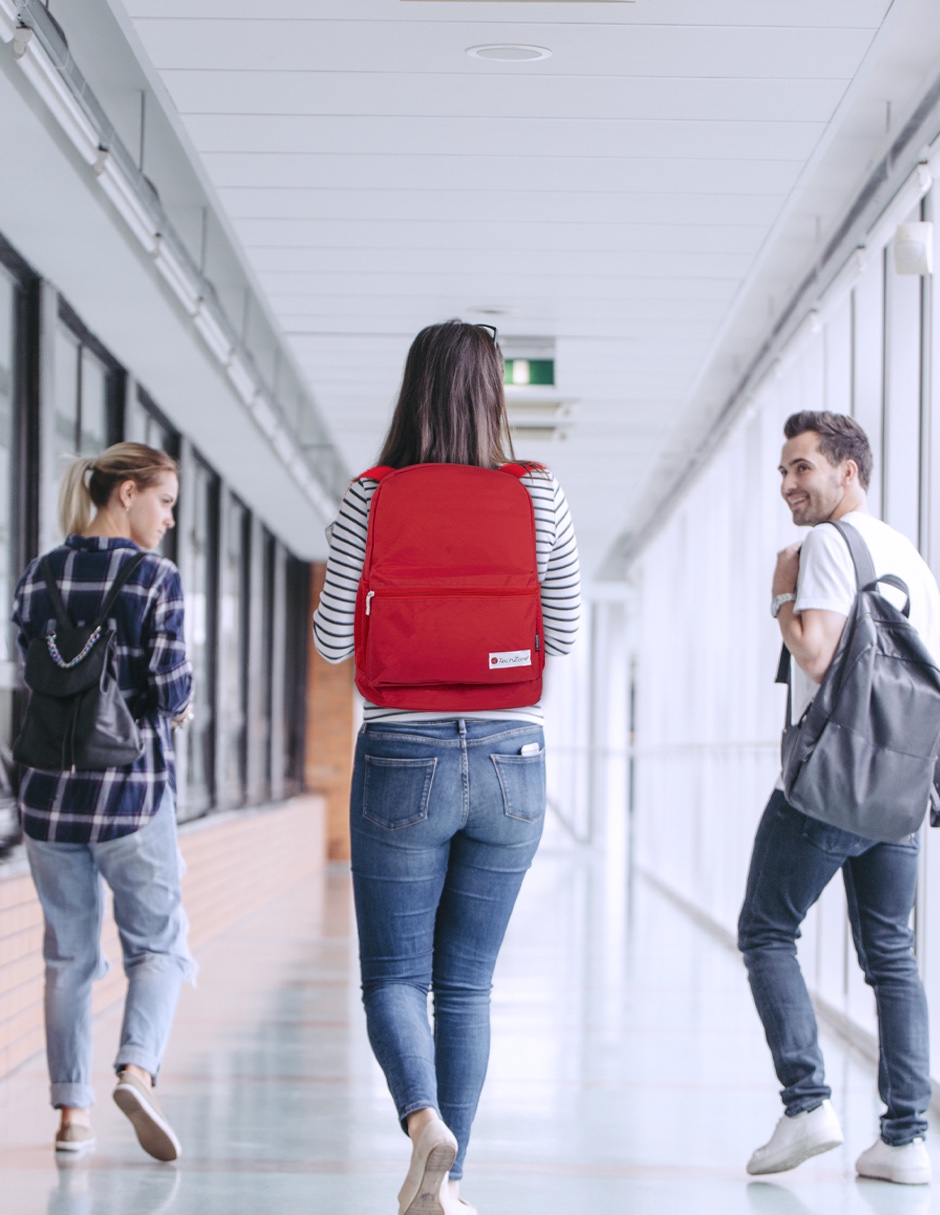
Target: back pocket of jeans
396, 792
522, 780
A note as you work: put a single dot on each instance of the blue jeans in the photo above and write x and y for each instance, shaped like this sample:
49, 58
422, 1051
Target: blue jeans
143, 871
793, 861
446, 817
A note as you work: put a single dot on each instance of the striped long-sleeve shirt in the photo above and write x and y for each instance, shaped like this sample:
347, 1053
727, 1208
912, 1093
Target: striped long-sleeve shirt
153, 673
556, 552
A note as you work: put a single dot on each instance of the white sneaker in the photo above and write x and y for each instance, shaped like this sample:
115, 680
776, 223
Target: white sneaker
908, 1164
796, 1139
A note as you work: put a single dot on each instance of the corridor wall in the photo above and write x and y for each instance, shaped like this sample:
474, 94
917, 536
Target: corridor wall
708, 714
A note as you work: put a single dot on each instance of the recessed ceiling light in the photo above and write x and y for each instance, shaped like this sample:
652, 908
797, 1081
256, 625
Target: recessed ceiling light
508, 52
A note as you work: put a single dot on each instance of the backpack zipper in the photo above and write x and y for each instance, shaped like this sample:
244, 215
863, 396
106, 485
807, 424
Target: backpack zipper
431, 592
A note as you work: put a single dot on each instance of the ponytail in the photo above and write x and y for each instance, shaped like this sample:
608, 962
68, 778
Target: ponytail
90, 481
75, 504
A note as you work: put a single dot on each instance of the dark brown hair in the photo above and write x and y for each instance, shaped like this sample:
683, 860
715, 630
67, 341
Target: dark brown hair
840, 438
451, 408
90, 481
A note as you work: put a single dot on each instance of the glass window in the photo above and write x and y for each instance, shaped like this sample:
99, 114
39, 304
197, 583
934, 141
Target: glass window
868, 366
67, 380
233, 653
902, 386
94, 407
143, 423
8, 573
297, 638
199, 589
269, 545
14, 334
88, 390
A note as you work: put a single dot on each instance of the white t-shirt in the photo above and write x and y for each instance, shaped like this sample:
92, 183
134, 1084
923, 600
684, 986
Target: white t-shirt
827, 581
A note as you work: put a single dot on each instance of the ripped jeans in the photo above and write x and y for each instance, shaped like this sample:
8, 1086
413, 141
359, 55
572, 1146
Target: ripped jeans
143, 872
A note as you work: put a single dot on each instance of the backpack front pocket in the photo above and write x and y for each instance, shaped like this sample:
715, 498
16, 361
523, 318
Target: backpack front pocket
425, 637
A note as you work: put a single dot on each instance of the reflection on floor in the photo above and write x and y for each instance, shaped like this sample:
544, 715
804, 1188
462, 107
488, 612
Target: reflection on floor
628, 1075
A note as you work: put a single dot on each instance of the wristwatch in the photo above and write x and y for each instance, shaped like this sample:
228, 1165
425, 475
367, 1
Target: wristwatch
779, 600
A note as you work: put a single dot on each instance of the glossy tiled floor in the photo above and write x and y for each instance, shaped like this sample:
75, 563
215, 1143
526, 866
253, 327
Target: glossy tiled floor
628, 1075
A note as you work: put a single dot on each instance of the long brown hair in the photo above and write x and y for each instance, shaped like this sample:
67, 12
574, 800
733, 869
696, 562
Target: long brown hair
90, 481
451, 408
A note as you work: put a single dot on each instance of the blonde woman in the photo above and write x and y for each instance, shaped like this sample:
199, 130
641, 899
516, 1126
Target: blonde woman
118, 824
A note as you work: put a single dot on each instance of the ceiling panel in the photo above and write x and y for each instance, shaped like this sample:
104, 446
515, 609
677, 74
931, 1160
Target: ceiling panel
561, 170
655, 295
833, 13
441, 137
494, 235
399, 261
449, 95
518, 206
270, 44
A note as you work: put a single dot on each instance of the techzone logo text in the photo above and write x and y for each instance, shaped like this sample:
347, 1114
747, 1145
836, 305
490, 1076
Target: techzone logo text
511, 658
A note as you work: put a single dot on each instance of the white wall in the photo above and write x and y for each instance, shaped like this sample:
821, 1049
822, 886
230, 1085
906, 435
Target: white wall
708, 713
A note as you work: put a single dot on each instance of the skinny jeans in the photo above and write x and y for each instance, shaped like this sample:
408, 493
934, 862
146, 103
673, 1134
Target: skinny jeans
446, 817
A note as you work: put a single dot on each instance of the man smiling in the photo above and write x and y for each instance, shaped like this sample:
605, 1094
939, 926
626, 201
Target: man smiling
825, 469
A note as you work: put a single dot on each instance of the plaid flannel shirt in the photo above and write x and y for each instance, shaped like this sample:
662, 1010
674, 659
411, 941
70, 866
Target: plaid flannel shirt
153, 673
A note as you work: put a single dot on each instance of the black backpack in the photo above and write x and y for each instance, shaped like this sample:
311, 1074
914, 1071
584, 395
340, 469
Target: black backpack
862, 756
76, 717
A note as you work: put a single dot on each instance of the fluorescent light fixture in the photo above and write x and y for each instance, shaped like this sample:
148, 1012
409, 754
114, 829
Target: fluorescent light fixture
913, 249
176, 276
321, 500
126, 201
212, 333
282, 445
7, 20
899, 209
299, 471
323, 503
242, 380
44, 76
264, 415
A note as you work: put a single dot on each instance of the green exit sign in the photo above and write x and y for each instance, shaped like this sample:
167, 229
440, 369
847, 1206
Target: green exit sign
522, 372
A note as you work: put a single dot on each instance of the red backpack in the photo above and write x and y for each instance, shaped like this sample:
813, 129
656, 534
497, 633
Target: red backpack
449, 613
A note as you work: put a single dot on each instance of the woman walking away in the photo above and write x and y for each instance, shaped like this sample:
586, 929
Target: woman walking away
119, 822
450, 612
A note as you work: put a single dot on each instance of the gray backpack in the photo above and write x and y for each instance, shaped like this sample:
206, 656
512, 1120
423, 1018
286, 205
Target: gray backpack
862, 756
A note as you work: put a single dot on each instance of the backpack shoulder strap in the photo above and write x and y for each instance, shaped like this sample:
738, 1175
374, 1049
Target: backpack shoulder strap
123, 574
861, 557
521, 470
376, 474
61, 611
864, 575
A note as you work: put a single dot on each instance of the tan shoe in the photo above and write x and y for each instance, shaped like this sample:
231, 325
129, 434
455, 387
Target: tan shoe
74, 1138
431, 1158
154, 1133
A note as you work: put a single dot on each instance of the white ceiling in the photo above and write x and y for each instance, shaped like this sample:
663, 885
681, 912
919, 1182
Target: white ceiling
647, 196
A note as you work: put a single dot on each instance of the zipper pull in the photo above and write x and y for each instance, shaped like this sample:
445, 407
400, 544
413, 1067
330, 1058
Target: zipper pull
369, 602
537, 646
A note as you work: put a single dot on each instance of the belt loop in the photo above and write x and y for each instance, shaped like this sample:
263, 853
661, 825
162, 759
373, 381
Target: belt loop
461, 727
